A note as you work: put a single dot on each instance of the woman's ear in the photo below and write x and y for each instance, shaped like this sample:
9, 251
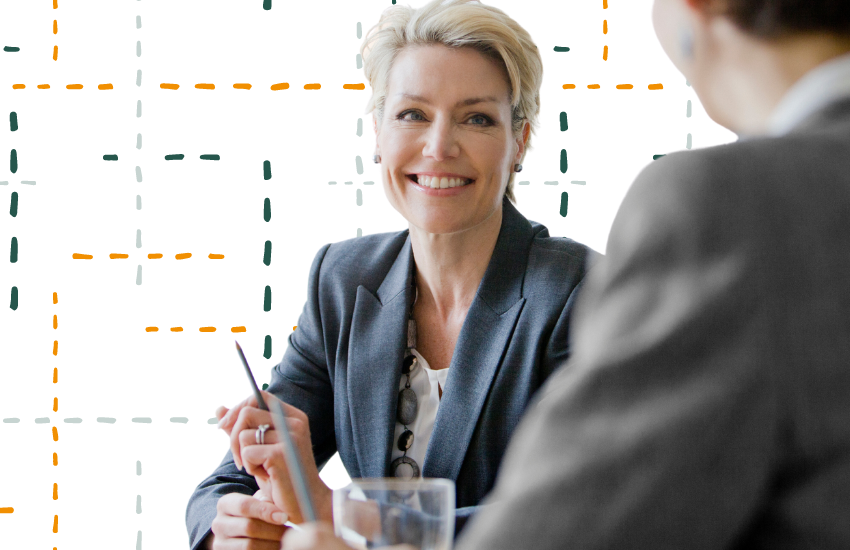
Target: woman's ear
522, 140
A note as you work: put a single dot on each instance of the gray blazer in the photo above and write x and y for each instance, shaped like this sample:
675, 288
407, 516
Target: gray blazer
707, 401
343, 363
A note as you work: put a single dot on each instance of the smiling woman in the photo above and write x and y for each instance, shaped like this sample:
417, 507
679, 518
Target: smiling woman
417, 352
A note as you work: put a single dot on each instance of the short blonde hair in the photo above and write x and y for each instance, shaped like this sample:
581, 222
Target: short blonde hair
456, 24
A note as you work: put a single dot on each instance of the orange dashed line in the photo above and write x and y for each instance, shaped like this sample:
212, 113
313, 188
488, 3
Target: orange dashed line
176, 329
154, 256
605, 26
55, 347
624, 86
183, 256
55, 459
55, 322
201, 86
8, 510
55, 375
151, 329
104, 86
55, 27
237, 329
55, 404
118, 256
43, 86
242, 86
295, 327
82, 256
55, 491
593, 86
18, 86
167, 86
605, 53
55, 520
604, 4
74, 86
360, 86
207, 329
216, 256
569, 86
55, 4
312, 86
55, 298
280, 86
55, 434
55, 53
656, 86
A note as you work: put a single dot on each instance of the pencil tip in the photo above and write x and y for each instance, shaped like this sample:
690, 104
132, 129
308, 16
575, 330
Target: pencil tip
237, 345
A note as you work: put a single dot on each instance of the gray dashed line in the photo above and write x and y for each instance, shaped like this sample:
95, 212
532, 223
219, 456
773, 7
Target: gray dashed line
359, 127
44, 420
359, 30
359, 232
349, 183
578, 182
105, 420
359, 60
138, 467
73, 421
138, 21
524, 183
138, 202
138, 48
138, 141
331, 183
139, 275
689, 109
179, 419
212, 420
4, 183
359, 197
359, 163
142, 420
138, 504
139, 541
138, 238
550, 183
139, 83
139, 102
27, 183
368, 183
139, 172
690, 142
11, 420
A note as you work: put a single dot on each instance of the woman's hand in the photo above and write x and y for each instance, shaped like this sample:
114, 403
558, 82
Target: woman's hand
244, 522
267, 463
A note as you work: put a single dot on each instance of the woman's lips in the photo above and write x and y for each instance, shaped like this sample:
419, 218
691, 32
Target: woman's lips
442, 192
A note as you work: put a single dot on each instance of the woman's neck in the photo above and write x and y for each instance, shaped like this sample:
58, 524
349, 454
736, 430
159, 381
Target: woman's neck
449, 267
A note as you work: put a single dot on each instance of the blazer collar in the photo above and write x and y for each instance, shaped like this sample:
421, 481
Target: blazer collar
377, 345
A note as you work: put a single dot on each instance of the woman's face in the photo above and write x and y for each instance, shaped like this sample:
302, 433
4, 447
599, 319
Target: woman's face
446, 144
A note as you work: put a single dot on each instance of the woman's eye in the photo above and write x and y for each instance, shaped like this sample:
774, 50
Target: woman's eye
479, 120
411, 116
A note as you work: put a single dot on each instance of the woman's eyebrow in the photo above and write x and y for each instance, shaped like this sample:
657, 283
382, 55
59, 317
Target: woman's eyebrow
462, 103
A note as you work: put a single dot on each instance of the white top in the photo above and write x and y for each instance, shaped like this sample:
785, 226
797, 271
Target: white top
423, 381
819, 87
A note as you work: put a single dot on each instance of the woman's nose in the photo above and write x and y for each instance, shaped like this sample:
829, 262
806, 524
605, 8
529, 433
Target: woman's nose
441, 142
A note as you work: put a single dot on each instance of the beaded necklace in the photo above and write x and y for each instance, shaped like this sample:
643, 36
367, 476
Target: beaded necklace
404, 466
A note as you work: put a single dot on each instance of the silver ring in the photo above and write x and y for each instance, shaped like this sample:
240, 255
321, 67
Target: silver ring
260, 434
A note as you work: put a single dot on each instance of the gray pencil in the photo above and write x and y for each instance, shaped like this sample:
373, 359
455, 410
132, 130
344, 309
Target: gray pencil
293, 462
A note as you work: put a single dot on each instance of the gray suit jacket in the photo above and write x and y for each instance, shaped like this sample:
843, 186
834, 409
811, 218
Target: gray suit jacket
707, 401
343, 363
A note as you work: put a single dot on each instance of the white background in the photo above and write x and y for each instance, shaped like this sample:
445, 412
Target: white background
108, 365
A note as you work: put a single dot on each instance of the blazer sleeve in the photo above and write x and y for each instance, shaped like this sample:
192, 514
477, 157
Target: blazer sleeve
301, 379
660, 432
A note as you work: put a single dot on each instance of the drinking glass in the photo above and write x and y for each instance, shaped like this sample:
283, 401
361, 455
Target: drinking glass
379, 513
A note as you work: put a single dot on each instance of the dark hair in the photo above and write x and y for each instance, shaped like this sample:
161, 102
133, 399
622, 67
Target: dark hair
773, 18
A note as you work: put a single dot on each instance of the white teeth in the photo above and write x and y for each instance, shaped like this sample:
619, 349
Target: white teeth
441, 183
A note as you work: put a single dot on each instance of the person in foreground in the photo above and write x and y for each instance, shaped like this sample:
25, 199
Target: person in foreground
417, 352
706, 404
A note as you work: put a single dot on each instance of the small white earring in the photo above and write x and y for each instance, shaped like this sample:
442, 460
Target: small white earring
376, 159
517, 167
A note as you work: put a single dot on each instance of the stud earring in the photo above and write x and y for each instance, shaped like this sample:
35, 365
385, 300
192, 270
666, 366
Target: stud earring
517, 167
377, 159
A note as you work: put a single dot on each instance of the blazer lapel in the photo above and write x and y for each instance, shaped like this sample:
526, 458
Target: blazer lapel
481, 346
376, 349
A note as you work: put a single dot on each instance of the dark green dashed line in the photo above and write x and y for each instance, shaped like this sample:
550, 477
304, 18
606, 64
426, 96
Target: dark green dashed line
564, 164
564, 124
13, 251
561, 49
267, 209
267, 5
110, 157
13, 121
210, 157
267, 299
267, 347
13, 205
11, 49
267, 253
267, 170
565, 200
174, 157
265, 387
13, 161
13, 302
656, 157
